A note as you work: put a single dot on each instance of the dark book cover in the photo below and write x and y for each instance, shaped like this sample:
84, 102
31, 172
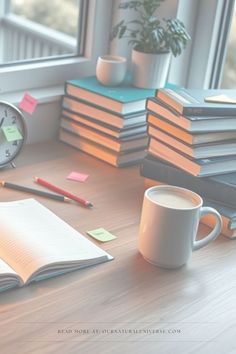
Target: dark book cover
221, 188
197, 151
119, 159
157, 123
225, 210
163, 107
79, 102
76, 116
192, 101
101, 114
191, 123
170, 151
104, 139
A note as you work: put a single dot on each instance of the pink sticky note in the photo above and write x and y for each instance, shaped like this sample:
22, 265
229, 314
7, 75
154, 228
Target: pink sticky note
79, 177
28, 103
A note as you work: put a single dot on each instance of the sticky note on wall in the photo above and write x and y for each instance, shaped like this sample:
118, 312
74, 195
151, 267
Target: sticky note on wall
28, 103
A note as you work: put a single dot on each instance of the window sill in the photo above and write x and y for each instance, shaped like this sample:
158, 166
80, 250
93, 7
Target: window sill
45, 95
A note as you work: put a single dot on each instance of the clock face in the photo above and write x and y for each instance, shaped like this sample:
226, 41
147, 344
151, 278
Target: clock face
12, 132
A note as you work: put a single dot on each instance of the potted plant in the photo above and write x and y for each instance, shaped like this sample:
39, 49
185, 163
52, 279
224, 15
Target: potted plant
153, 41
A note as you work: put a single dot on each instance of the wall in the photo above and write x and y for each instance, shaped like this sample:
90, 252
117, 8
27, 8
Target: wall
43, 125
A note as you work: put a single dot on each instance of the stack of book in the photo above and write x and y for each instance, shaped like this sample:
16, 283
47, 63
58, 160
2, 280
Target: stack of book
193, 145
106, 122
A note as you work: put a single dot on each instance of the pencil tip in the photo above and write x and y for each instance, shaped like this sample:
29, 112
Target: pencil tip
35, 178
90, 205
2, 183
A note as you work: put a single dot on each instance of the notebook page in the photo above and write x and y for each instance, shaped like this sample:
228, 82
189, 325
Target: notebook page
32, 236
8, 277
5, 269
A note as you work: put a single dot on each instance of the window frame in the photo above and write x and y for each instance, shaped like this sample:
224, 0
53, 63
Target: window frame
208, 22
222, 43
22, 77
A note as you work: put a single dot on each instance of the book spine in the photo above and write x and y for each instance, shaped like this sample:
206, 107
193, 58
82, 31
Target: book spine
209, 220
203, 186
177, 102
207, 111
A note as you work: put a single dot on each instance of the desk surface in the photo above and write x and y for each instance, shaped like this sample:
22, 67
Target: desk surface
127, 305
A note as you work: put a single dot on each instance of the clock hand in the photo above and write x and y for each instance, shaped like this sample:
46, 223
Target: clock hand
1, 123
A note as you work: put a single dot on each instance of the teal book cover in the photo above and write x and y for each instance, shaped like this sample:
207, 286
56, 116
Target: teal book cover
124, 93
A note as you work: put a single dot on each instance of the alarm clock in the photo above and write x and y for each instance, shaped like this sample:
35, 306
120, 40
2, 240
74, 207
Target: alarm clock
12, 133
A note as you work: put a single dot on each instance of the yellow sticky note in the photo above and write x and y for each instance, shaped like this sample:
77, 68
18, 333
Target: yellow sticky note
220, 99
101, 234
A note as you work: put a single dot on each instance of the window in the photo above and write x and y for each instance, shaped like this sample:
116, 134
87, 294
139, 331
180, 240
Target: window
93, 27
229, 71
209, 22
33, 29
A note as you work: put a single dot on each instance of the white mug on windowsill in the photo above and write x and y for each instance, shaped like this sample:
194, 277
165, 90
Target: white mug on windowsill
111, 70
169, 224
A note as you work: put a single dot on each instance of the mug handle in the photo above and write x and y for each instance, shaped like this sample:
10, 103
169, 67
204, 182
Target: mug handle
214, 233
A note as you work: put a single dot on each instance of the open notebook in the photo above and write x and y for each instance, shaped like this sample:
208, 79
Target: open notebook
36, 244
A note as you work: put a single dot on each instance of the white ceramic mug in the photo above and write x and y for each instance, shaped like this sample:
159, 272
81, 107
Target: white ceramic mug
111, 70
169, 223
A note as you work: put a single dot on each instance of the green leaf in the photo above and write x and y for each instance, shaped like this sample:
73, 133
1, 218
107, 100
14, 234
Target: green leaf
122, 31
119, 23
150, 6
159, 34
116, 29
133, 42
114, 33
148, 33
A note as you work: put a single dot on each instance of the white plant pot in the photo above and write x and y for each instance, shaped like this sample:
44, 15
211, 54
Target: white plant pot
150, 70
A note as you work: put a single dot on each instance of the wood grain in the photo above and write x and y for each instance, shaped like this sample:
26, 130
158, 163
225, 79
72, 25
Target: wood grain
124, 306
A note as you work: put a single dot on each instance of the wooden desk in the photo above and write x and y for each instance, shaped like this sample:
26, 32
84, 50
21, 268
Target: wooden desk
127, 305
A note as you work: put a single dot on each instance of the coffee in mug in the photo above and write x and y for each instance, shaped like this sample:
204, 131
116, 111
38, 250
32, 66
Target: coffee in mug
169, 224
172, 199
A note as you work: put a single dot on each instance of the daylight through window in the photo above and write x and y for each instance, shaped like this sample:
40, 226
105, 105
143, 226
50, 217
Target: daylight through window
39, 29
229, 72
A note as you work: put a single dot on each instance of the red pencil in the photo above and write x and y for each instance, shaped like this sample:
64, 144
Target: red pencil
54, 188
